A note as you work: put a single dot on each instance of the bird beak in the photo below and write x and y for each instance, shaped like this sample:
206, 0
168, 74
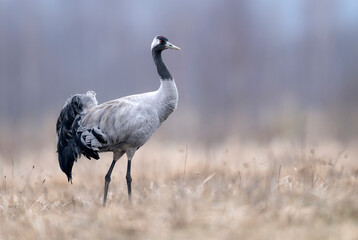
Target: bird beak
171, 46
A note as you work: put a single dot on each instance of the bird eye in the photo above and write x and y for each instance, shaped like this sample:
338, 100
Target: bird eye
161, 39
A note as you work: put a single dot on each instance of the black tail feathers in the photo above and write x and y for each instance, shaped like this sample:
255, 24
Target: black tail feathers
66, 127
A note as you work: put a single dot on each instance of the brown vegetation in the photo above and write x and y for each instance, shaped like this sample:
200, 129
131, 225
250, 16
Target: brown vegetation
227, 191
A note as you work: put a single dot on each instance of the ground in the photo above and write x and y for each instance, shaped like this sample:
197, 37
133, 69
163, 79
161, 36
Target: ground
231, 190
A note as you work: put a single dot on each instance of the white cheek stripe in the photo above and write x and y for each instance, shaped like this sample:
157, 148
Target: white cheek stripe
155, 42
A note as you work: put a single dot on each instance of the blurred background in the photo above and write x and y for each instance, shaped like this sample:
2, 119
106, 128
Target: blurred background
252, 70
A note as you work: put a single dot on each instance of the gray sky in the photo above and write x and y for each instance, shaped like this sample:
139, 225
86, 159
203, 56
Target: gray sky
241, 61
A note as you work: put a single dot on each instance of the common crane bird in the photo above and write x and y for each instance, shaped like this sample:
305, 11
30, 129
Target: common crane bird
120, 126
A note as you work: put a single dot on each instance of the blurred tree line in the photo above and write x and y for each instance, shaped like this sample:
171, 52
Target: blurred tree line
258, 68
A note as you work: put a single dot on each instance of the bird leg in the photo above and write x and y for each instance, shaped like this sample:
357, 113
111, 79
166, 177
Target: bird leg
129, 179
107, 181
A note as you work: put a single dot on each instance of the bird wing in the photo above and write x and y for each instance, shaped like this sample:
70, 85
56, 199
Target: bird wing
111, 125
67, 148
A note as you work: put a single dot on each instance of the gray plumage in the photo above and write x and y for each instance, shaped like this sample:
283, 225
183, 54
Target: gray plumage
120, 126
130, 121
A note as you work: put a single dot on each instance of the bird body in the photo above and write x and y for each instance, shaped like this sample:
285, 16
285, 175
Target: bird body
121, 126
130, 121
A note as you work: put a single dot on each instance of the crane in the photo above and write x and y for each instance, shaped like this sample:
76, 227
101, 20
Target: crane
121, 126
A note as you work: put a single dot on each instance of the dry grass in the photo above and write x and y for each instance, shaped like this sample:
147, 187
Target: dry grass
231, 191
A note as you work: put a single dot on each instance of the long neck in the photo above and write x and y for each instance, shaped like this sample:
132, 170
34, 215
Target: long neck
161, 68
166, 98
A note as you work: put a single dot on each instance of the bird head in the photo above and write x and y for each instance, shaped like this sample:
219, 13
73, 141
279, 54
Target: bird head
161, 43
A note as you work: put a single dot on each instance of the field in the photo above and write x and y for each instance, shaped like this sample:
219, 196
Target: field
227, 190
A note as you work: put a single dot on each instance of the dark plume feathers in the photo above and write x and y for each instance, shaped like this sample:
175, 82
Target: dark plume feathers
98, 136
68, 147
